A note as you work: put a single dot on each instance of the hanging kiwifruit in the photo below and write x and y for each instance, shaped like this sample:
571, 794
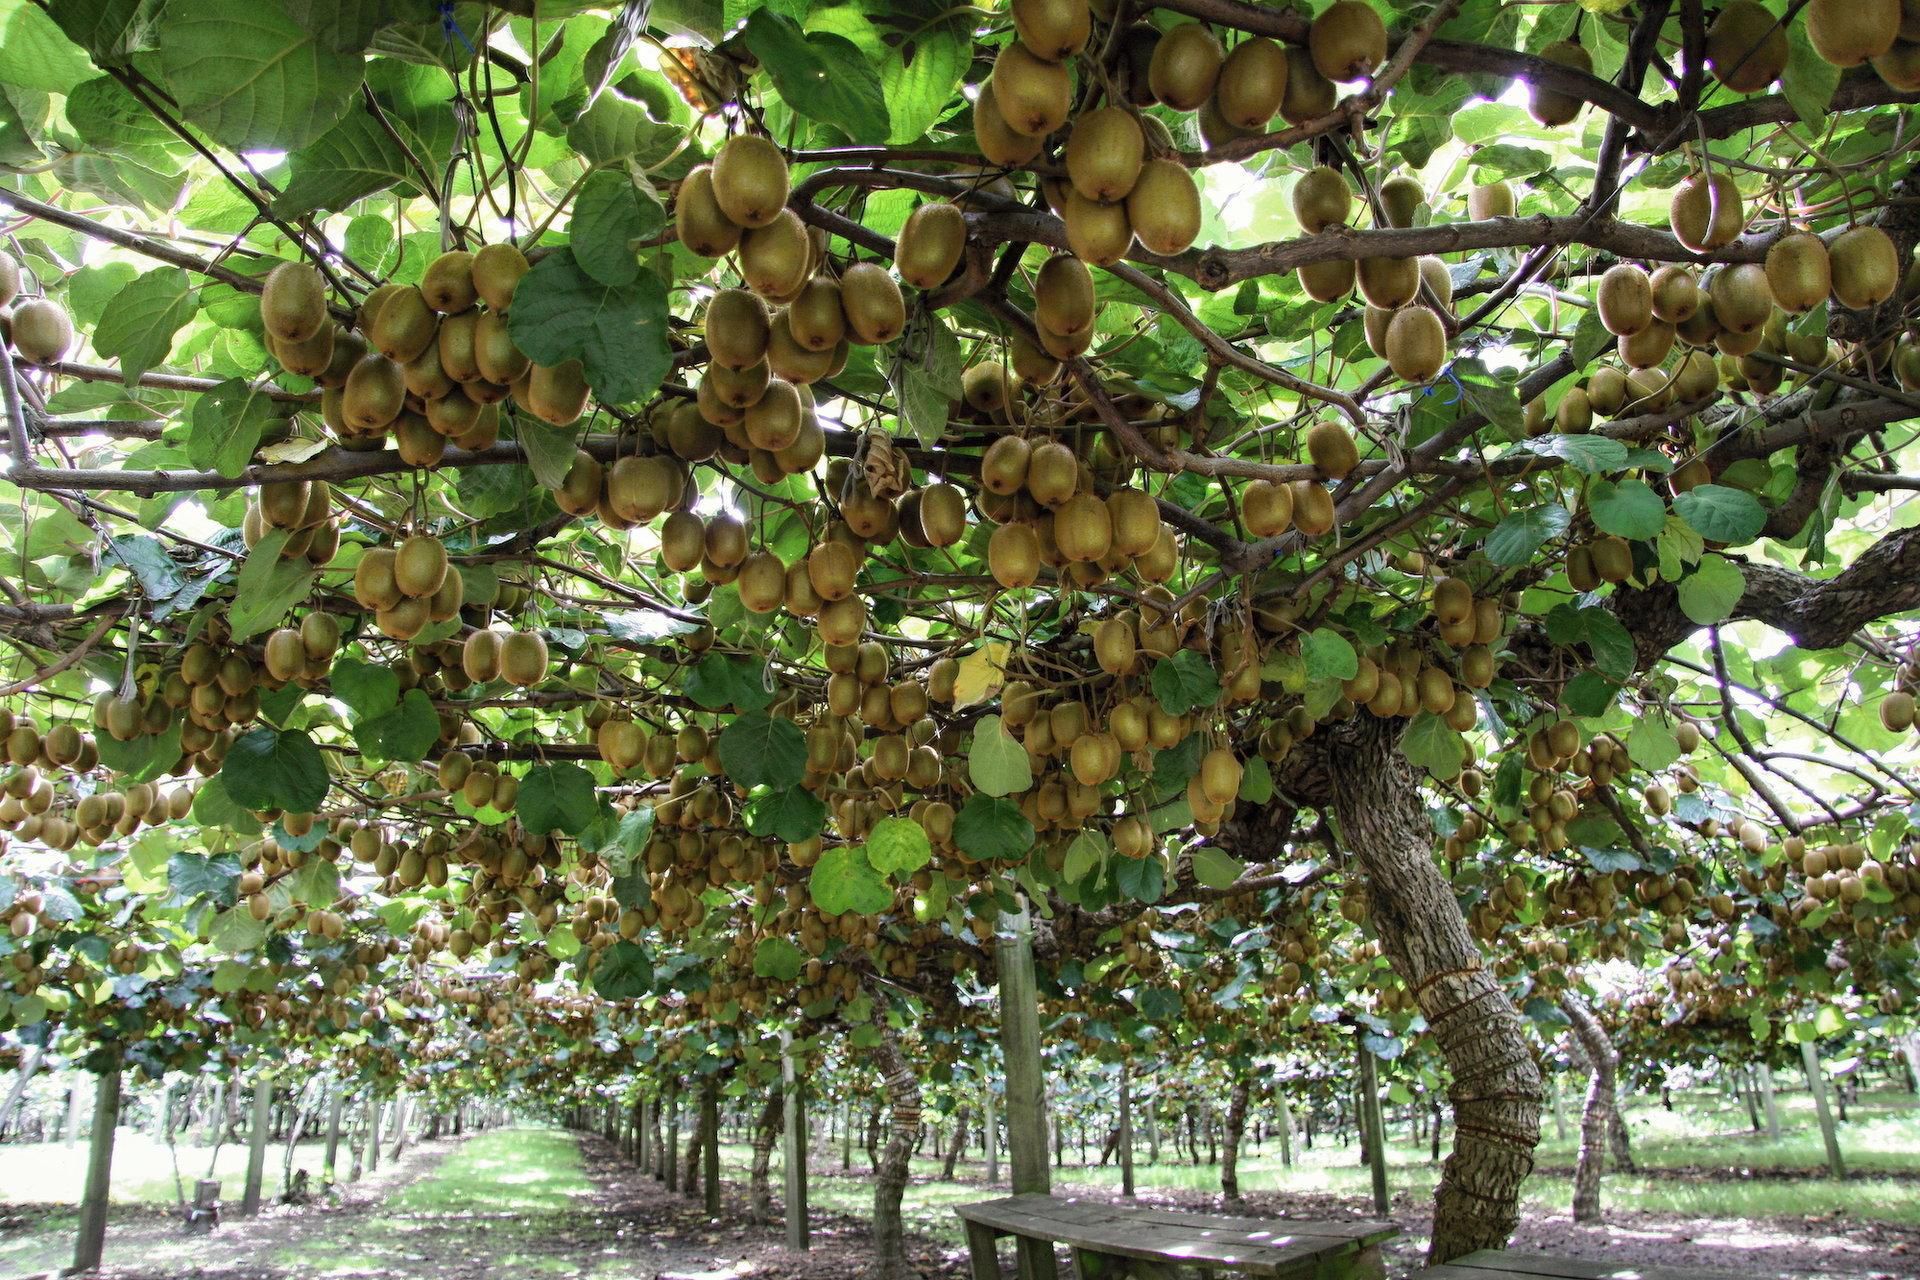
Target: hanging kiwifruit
496, 358
1313, 512
736, 325
1675, 293
1053, 29
1416, 345
419, 565
9, 279
1742, 300
1104, 154
309, 359
1550, 107
871, 301
999, 142
777, 257
702, 225
930, 245
1309, 94
1624, 299
1865, 265
1251, 83
1327, 281
375, 393
41, 330
1321, 199
1706, 212
1389, 283
1186, 64
404, 326
1848, 32
1164, 207
1034, 95
1013, 556
1900, 66
1332, 449
557, 393
447, 284
1490, 200
1266, 508
750, 180
1347, 40
1648, 347
1063, 294
1098, 234
1400, 200
1746, 47
1798, 272
497, 272
523, 658
293, 302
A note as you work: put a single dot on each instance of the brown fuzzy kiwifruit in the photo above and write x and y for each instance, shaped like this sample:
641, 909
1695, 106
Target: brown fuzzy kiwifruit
1389, 283
1742, 299
1866, 267
496, 358
1054, 30
999, 142
930, 245
1327, 281
1251, 83
375, 393
1186, 65
373, 580
1676, 293
523, 658
750, 180
557, 394
1063, 294
447, 283
1321, 199
1013, 556
405, 325
1647, 348
1164, 207
872, 303
1033, 95
1098, 234
1266, 508
776, 259
1550, 107
1847, 33
1313, 512
419, 565
736, 324
497, 272
1309, 94
293, 302
702, 225
1416, 345
1746, 47
1347, 40
1490, 200
1706, 212
1004, 466
309, 359
1332, 448
1624, 299
1104, 154
1798, 271
40, 330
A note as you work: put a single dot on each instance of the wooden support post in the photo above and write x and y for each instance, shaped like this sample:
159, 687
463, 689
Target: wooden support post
710, 1144
1817, 1082
257, 1144
1126, 1128
1026, 1080
794, 1151
1376, 1136
91, 1241
374, 1108
1764, 1072
336, 1101
672, 1138
1559, 1108
990, 1136
1286, 1128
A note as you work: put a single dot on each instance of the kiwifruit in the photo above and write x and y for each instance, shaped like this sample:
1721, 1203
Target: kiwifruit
1186, 65
1624, 299
773, 421
1606, 390
702, 225
929, 247
293, 302
1053, 30
9, 279
1053, 473
373, 579
1004, 466
750, 180
1437, 280
1798, 272
42, 332
1706, 212
1266, 508
497, 271
1373, 323
1695, 376
1251, 83
1847, 33
1332, 449
1400, 200
523, 658
496, 357
1490, 200
943, 514
1063, 297
283, 503
1034, 95
1013, 556
557, 394
1321, 199
1647, 348
776, 257
1309, 94
1327, 281
736, 325
419, 565
1083, 528
424, 377
1900, 66
1746, 47
1164, 207
1135, 517
1613, 561
456, 349
1313, 512
453, 414
447, 284
1742, 301
815, 319
1416, 346
871, 301
309, 359
1549, 107
986, 388
1675, 293
1866, 267
1574, 414
730, 390
1347, 40
375, 393
348, 347
580, 489
1098, 234
1389, 283
1104, 154
999, 142
404, 326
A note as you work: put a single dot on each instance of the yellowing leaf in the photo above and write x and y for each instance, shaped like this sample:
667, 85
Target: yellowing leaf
982, 672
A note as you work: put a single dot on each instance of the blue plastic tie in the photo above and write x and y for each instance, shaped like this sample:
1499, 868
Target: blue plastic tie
1454, 378
451, 28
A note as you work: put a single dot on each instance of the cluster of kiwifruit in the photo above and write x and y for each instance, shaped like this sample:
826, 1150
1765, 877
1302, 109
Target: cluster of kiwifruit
302, 508
39, 330
1048, 510
408, 586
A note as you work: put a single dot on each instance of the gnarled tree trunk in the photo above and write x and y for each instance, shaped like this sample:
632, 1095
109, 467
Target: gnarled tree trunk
690, 1169
959, 1143
1230, 1145
1596, 1117
759, 1183
890, 1182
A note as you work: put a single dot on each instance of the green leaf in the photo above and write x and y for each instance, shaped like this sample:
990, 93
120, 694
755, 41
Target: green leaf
1809, 81
370, 242
759, 750
142, 759
1432, 744
268, 768
1328, 655
1677, 546
1517, 538
406, 733
226, 425
1651, 744
1629, 508
623, 841
989, 828
614, 129
1589, 694
1612, 646
1215, 868
1711, 592
1184, 682
371, 690
719, 682
791, 813
898, 846
159, 577
36, 54
235, 931
1256, 781
624, 972
997, 764
213, 807
843, 880
193, 875
619, 335
550, 450
927, 384
609, 214
1590, 454
250, 75
557, 797
1722, 514
919, 77
267, 587
1590, 338
778, 959
1497, 404
108, 29
316, 883
1087, 852
821, 76
351, 161
138, 327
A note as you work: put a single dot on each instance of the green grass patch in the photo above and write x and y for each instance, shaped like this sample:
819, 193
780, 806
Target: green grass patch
505, 1171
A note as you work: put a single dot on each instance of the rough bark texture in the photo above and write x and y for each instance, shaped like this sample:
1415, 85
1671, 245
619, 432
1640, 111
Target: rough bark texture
1230, 1146
759, 1183
890, 1182
959, 1142
690, 1168
1373, 793
1596, 1117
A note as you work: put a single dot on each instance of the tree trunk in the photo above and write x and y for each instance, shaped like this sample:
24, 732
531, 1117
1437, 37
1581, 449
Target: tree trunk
1230, 1143
890, 1182
1596, 1117
759, 1183
1496, 1084
1817, 1083
959, 1143
690, 1172
29, 1064
1125, 1129
1286, 1128
91, 1238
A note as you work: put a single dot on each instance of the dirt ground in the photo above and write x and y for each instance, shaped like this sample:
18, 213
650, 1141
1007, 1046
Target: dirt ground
631, 1228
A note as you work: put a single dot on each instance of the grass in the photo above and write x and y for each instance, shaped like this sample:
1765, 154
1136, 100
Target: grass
53, 1173
506, 1171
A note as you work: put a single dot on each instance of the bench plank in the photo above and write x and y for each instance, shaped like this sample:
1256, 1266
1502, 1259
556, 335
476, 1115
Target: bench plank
1488, 1263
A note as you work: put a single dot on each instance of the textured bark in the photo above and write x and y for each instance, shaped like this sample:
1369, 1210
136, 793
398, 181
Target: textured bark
1496, 1091
890, 1183
1230, 1144
1596, 1117
959, 1143
759, 1183
690, 1169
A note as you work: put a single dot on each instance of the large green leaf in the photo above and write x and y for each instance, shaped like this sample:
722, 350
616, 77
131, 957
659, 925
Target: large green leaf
1721, 513
991, 828
269, 585
226, 425
268, 768
1630, 509
760, 750
250, 75
997, 764
557, 797
898, 846
624, 972
619, 334
35, 53
1712, 591
822, 76
138, 326
348, 162
609, 214
1184, 682
406, 732
843, 880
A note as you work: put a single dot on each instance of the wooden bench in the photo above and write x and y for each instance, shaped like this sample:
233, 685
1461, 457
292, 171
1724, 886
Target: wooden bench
1503, 1264
1138, 1242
